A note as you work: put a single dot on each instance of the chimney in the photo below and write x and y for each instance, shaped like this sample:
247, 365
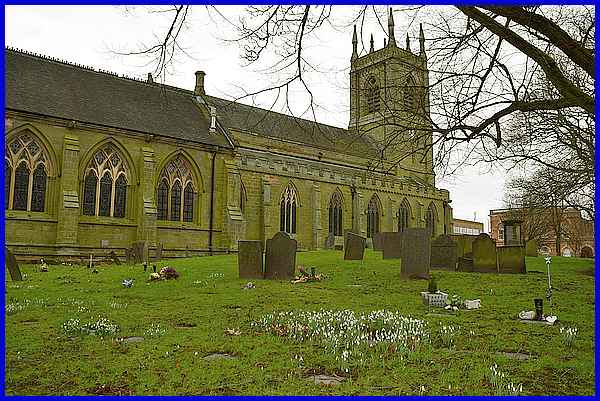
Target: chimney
213, 119
199, 89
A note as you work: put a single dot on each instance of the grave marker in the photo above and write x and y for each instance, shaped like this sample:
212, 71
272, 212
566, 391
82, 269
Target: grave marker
392, 245
444, 253
250, 259
354, 246
13, 266
484, 254
416, 251
280, 260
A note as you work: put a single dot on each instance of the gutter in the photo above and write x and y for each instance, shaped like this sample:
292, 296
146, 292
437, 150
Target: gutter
212, 202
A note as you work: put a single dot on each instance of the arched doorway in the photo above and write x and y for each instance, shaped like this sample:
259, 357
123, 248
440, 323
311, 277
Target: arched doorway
587, 252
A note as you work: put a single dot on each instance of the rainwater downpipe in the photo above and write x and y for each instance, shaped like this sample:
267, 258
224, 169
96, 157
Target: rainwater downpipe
212, 202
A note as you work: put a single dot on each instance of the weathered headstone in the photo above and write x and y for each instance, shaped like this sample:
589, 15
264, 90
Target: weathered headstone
378, 239
129, 257
280, 260
444, 253
141, 251
12, 265
330, 241
484, 254
158, 252
114, 258
392, 245
354, 246
531, 248
416, 251
511, 259
250, 259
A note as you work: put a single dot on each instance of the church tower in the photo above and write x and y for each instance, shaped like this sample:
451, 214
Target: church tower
389, 101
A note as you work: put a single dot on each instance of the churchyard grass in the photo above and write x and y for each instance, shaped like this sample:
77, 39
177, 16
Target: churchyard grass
64, 331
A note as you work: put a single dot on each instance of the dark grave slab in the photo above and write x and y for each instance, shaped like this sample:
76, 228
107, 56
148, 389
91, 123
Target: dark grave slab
511, 259
114, 258
484, 254
12, 265
354, 246
444, 253
250, 259
378, 241
280, 259
392, 245
416, 251
330, 241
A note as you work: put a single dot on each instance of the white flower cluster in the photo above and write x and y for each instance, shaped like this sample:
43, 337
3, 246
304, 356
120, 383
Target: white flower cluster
19, 305
155, 330
447, 334
346, 335
215, 275
501, 386
101, 327
569, 334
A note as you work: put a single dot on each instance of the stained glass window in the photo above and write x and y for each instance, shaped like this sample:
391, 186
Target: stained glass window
335, 214
162, 201
188, 203
21, 190
7, 176
170, 205
105, 195
403, 214
38, 194
89, 194
28, 191
120, 196
288, 204
372, 217
175, 201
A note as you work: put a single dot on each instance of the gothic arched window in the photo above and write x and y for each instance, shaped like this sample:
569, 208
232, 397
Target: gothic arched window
403, 214
410, 91
372, 95
176, 192
243, 197
26, 178
105, 184
373, 217
430, 220
335, 214
287, 210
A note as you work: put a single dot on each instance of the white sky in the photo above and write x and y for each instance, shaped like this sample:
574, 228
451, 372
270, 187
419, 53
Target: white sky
89, 35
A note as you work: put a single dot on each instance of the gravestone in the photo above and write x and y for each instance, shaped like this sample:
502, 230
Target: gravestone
354, 246
378, 239
280, 260
12, 265
250, 259
114, 258
158, 252
140, 251
129, 257
511, 259
444, 253
531, 248
416, 251
330, 241
392, 245
484, 254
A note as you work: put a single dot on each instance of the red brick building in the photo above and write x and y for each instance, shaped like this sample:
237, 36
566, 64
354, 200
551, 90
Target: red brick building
577, 233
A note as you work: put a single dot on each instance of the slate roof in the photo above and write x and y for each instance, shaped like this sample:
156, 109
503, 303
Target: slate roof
54, 88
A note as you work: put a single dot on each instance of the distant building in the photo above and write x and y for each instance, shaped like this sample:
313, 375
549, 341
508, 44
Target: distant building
577, 233
467, 227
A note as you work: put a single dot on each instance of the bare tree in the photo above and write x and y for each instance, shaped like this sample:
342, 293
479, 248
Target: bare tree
499, 76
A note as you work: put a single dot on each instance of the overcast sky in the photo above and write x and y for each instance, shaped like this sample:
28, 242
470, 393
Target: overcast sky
91, 35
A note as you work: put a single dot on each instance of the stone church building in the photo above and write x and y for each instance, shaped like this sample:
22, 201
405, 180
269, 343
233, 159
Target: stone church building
95, 162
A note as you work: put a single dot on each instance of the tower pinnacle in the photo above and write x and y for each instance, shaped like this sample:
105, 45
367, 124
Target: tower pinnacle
392, 41
354, 43
421, 41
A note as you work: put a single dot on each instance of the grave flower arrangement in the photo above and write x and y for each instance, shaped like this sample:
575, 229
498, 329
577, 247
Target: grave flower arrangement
167, 273
434, 297
305, 276
453, 303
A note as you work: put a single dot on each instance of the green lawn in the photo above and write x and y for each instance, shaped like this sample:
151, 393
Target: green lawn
185, 320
